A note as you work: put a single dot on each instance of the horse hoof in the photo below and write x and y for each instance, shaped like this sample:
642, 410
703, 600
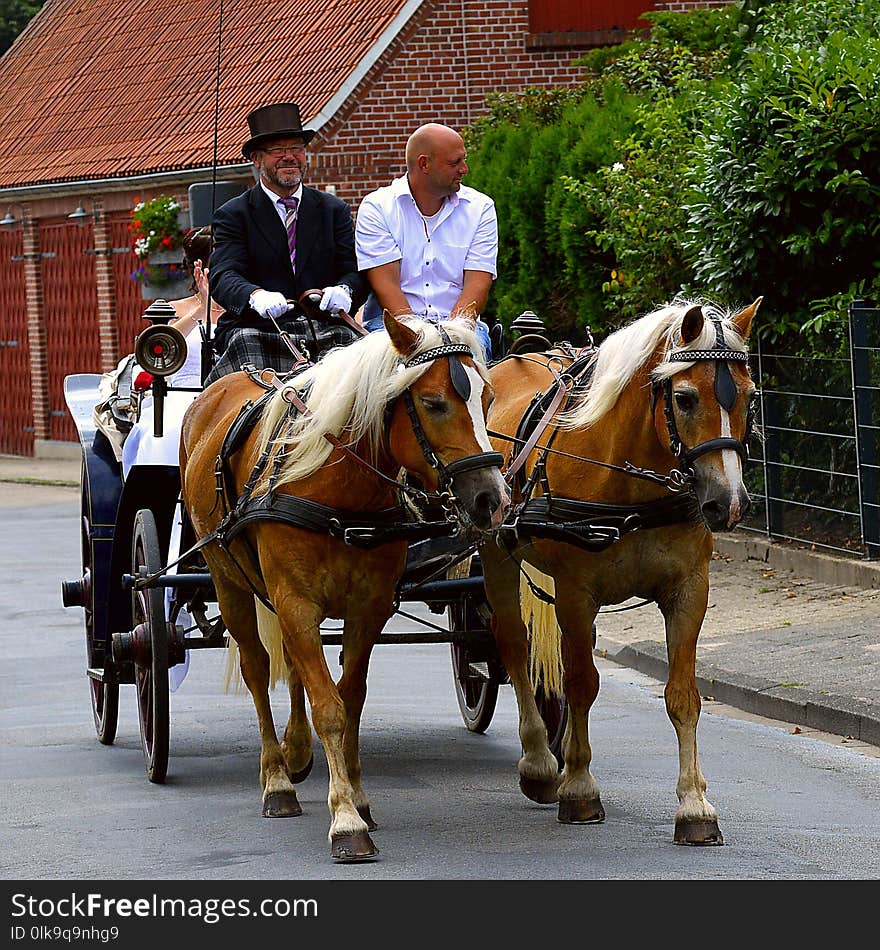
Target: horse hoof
348, 849
698, 831
542, 791
302, 774
281, 805
367, 817
580, 811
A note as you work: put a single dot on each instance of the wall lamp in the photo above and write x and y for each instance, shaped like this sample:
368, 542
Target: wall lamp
10, 220
81, 216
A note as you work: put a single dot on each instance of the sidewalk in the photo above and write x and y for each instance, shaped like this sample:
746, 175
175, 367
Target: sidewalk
790, 634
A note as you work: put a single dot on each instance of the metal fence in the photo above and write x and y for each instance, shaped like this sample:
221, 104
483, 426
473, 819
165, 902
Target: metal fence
814, 477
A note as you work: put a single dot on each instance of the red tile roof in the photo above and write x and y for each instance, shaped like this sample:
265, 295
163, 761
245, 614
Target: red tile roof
102, 89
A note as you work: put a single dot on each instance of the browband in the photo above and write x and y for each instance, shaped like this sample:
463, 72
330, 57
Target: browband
447, 349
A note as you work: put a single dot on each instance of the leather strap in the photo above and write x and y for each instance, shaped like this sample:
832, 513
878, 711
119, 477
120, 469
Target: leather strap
538, 431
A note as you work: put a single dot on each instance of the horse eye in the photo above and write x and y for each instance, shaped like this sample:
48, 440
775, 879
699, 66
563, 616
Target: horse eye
433, 403
685, 401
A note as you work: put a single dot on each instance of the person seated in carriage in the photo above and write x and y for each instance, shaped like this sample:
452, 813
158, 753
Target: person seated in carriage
125, 412
273, 244
427, 243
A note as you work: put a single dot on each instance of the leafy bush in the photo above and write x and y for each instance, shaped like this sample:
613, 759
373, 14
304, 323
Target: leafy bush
519, 159
786, 178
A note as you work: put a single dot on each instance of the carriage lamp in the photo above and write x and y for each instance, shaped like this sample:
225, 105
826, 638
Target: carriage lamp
81, 216
160, 350
160, 311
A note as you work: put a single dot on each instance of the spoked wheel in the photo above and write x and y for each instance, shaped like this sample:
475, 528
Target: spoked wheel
150, 664
477, 672
104, 691
476, 693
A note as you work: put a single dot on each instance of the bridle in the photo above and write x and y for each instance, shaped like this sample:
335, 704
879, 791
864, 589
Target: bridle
462, 385
725, 392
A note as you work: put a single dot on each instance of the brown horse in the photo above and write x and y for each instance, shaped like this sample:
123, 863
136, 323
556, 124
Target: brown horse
411, 398
664, 403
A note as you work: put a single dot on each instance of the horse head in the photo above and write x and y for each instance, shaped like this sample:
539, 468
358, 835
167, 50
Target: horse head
704, 407
437, 429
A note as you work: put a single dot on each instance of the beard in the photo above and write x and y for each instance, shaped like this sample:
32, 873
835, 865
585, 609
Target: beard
288, 176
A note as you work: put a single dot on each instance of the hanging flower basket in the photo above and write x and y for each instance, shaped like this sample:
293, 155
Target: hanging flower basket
157, 239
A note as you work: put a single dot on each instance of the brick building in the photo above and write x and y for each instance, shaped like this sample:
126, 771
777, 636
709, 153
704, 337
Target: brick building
102, 105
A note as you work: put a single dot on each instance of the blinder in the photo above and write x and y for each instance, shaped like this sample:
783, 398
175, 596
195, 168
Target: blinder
725, 393
462, 385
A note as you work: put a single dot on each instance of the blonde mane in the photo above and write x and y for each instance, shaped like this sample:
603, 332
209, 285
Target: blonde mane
626, 351
346, 394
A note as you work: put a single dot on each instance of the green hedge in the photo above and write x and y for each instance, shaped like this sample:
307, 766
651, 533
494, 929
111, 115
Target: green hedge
735, 152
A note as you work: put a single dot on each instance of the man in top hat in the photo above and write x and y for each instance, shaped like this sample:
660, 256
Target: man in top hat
275, 242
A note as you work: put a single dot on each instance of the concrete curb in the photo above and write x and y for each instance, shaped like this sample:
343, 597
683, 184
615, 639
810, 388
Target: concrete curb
839, 715
827, 568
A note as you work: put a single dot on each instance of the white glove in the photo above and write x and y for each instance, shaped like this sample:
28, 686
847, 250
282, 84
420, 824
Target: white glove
335, 299
269, 303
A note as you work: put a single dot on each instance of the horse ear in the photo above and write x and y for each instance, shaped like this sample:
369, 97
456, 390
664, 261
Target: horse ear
743, 320
692, 324
404, 339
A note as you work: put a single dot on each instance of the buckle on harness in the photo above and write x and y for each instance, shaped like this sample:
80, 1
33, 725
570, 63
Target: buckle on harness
355, 536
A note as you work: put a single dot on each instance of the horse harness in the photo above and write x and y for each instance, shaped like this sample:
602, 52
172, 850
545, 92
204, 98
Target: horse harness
595, 526
362, 529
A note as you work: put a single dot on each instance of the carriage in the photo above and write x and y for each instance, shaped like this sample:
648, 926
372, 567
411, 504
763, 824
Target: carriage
619, 462
135, 526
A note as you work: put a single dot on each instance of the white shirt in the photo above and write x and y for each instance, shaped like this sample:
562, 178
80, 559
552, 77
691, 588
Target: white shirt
433, 252
275, 199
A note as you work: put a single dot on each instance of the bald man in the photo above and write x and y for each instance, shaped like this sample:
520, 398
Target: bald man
427, 243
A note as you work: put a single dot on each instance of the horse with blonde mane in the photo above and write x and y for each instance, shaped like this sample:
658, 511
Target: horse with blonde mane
639, 459
304, 490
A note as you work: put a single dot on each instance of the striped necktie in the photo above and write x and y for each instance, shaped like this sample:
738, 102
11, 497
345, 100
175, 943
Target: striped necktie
290, 223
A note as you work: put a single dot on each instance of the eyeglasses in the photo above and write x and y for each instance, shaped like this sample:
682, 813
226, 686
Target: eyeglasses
278, 150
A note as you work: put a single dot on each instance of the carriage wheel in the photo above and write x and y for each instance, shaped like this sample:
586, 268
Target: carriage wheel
104, 693
476, 694
151, 672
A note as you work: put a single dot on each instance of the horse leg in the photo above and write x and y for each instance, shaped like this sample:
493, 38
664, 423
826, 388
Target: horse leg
296, 746
696, 821
239, 615
579, 801
538, 769
300, 626
358, 642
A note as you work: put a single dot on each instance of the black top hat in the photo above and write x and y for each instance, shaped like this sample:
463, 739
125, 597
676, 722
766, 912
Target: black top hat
273, 122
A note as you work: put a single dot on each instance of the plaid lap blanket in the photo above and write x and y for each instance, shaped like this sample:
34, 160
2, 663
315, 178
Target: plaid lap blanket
265, 348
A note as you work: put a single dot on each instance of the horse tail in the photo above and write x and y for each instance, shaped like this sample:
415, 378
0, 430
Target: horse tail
270, 636
545, 637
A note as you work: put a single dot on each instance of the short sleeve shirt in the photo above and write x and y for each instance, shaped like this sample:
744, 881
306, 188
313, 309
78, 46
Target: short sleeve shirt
433, 252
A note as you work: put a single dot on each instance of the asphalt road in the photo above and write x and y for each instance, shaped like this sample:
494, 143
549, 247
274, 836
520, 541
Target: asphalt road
447, 802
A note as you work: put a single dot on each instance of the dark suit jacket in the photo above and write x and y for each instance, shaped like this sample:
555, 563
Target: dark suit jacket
250, 251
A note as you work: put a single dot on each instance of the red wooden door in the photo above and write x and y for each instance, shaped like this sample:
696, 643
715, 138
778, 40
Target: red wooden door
70, 300
130, 305
16, 403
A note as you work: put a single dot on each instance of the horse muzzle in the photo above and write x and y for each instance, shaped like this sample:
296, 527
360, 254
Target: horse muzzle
482, 495
723, 510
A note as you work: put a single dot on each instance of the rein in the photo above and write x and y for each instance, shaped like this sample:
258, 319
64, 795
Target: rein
594, 526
